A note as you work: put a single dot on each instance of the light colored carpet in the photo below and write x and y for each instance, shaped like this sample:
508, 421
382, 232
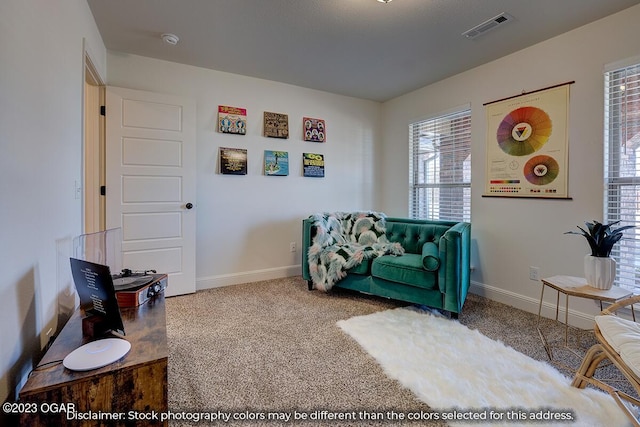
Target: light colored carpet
275, 346
462, 373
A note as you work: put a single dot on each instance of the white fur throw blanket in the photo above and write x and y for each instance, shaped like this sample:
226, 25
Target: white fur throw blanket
342, 241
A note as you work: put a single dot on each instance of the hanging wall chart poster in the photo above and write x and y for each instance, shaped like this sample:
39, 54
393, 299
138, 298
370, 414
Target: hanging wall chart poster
527, 145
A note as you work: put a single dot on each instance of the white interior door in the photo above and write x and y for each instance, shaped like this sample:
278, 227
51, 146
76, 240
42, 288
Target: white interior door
151, 182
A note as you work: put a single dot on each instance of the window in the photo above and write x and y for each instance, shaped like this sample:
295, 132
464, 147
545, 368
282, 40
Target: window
622, 167
440, 167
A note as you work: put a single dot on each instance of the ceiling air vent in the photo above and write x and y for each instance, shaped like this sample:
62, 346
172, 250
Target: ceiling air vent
487, 25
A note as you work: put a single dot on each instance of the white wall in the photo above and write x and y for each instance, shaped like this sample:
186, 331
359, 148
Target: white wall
41, 82
246, 223
509, 235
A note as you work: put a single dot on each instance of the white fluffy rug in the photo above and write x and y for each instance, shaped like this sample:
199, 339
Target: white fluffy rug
461, 373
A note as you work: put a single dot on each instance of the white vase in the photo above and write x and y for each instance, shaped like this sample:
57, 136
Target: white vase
599, 271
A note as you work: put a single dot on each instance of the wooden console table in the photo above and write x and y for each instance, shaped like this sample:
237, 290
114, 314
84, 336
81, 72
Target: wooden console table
133, 386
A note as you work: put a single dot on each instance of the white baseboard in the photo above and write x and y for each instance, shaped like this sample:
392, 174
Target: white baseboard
247, 277
531, 305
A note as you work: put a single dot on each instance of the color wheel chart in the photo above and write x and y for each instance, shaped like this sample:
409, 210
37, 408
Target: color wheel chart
527, 144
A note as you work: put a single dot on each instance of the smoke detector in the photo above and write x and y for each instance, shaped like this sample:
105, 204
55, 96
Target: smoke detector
487, 25
171, 39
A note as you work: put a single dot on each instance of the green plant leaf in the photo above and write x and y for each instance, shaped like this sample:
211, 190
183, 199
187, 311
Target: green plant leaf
600, 237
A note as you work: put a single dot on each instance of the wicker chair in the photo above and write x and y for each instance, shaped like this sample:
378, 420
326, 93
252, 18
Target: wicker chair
619, 342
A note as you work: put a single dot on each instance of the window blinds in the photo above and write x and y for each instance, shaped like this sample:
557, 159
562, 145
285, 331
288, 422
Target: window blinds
622, 168
440, 167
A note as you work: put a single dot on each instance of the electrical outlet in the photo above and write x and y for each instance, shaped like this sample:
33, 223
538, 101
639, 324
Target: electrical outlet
292, 246
534, 273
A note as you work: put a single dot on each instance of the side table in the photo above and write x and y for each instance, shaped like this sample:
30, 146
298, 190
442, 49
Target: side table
577, 287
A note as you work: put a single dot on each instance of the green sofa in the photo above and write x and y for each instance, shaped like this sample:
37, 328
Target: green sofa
433, 271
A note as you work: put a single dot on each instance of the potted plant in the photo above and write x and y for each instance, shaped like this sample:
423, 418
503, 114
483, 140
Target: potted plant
599, 267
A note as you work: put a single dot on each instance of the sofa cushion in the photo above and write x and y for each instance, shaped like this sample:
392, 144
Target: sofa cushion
362, 268
406, 269
430, 256
618, 331
624, 337
412, 236
630, 354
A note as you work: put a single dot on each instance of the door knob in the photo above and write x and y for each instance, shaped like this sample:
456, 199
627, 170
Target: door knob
188, 205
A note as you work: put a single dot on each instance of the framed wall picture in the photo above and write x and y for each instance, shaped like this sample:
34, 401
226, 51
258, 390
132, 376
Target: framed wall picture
527, 144
276, 125
233, 161
276, 163
313, 165
314, 130
232, 120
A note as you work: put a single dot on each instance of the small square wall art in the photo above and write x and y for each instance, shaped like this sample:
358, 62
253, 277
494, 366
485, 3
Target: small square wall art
314, 130
232, 120
233, 161
276, 163
276, 125
313, 165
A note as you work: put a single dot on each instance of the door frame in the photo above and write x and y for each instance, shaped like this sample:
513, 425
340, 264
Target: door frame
94, 169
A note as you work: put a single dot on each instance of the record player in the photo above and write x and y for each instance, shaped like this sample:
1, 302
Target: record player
134, 288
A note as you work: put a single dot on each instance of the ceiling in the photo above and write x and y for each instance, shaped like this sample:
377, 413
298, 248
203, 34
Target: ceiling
360, 48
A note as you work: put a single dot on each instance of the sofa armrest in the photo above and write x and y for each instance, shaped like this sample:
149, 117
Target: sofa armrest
307, 238
454, 273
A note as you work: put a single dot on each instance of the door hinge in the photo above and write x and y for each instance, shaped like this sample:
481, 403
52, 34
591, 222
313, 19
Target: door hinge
103, 190
103, 110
